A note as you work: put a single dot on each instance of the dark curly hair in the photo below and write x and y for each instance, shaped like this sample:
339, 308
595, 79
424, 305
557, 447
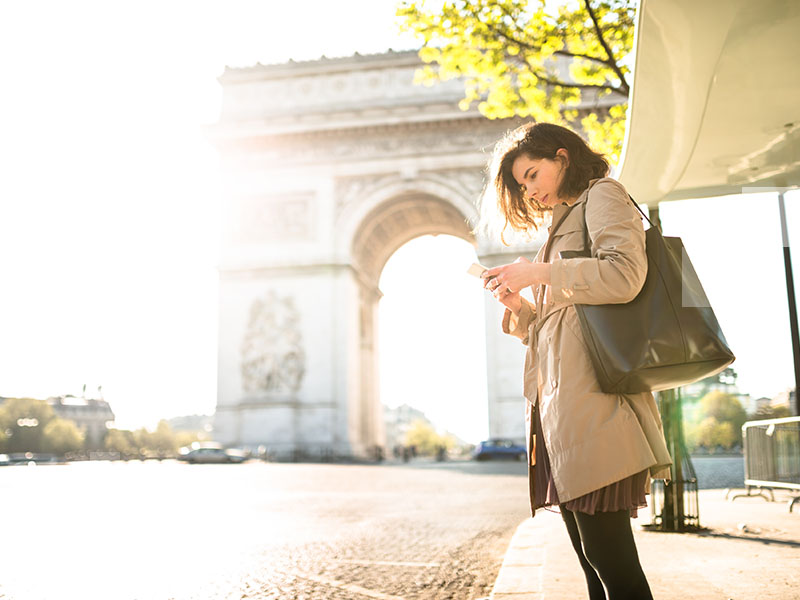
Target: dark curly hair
504, 195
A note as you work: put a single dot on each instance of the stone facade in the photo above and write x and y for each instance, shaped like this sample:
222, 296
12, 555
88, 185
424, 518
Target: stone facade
329, 167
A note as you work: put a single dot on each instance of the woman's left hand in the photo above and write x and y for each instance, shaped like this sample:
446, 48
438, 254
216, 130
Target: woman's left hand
515, 276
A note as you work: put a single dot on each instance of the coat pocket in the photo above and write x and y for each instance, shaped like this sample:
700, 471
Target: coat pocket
569, 237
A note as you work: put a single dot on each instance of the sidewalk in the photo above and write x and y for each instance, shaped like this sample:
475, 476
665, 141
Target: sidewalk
750, 551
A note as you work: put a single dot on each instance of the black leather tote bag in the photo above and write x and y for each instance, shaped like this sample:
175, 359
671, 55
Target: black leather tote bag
664, 338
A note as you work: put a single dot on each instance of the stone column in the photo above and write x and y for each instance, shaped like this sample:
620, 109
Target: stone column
505, 354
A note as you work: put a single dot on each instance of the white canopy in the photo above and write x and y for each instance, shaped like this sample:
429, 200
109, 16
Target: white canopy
715, 104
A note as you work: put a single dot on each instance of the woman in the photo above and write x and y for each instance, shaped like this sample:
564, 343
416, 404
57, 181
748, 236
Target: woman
591, 454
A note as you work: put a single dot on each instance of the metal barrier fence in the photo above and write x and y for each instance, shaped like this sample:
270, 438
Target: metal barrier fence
772, 456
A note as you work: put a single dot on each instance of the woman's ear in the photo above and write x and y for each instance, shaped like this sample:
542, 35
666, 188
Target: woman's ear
562, 152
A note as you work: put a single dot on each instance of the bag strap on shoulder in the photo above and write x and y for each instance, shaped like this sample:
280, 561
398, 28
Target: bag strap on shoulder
587, 243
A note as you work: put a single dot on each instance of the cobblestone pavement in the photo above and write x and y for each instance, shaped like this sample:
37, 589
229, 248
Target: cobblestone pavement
719, 471
262, 531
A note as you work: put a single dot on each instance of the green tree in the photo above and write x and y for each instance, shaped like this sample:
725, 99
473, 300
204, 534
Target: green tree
120, 440
532, 58
143, 443
23, 421
717, 421
61, 436
711, 434
163, 440
725, 408
142, 438
427, 441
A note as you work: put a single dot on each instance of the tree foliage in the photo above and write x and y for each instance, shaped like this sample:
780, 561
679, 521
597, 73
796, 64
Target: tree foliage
717, 422
142, 443
120, 440
532, 59
23, 421
29, 425
425, 438
62, 436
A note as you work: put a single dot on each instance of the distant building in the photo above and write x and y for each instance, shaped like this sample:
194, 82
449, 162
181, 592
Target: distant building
760, 404
784, 399
91, 415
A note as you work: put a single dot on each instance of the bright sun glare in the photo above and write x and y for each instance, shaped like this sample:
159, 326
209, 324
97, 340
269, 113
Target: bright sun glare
441, 350
109, 217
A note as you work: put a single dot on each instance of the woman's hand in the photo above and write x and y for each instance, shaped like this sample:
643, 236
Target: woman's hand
511, 278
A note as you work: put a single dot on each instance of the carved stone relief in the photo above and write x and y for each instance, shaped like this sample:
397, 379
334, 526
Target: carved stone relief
273, 359
350, 191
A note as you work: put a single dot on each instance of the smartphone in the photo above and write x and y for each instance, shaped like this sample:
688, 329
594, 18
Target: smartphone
477, 270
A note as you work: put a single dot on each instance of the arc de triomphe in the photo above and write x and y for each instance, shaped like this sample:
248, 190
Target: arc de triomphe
329, 166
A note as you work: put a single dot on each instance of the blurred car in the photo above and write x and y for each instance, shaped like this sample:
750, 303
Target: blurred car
212, 454
501, 449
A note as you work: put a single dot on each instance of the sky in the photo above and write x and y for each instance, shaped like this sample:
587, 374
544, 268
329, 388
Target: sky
110, 197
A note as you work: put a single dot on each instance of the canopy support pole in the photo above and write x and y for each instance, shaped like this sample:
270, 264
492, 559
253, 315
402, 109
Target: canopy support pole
787, 262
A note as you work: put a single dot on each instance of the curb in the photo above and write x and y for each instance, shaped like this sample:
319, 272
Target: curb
520, 576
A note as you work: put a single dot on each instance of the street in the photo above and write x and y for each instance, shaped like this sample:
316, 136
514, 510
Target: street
150, 530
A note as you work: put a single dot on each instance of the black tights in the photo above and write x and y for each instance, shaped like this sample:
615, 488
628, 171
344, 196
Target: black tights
607, 552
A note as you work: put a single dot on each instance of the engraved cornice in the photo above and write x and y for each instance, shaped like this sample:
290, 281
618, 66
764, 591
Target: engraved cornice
292, 68
301, 90
470, 134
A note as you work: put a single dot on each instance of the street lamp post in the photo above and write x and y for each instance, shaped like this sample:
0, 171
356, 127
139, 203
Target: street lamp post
787, 263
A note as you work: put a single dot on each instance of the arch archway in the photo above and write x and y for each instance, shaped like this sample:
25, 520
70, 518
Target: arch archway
400, 219
384, 229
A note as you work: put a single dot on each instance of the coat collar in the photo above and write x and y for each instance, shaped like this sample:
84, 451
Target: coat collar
574, 220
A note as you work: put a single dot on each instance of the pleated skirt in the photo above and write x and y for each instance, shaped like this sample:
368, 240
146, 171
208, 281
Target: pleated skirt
626, 494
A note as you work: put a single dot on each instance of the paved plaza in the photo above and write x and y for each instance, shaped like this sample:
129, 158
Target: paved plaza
418, 531
159, 531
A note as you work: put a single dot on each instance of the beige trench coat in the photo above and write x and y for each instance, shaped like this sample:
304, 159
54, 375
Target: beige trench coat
593, 438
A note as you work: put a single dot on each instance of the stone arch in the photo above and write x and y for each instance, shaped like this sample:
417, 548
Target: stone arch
450, 196
399, 220
394, 215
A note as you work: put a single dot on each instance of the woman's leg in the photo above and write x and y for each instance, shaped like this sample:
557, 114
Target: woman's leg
596, 591
607, 541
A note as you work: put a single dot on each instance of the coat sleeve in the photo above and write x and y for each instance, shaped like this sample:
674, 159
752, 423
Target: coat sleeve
617, 269
517, 325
